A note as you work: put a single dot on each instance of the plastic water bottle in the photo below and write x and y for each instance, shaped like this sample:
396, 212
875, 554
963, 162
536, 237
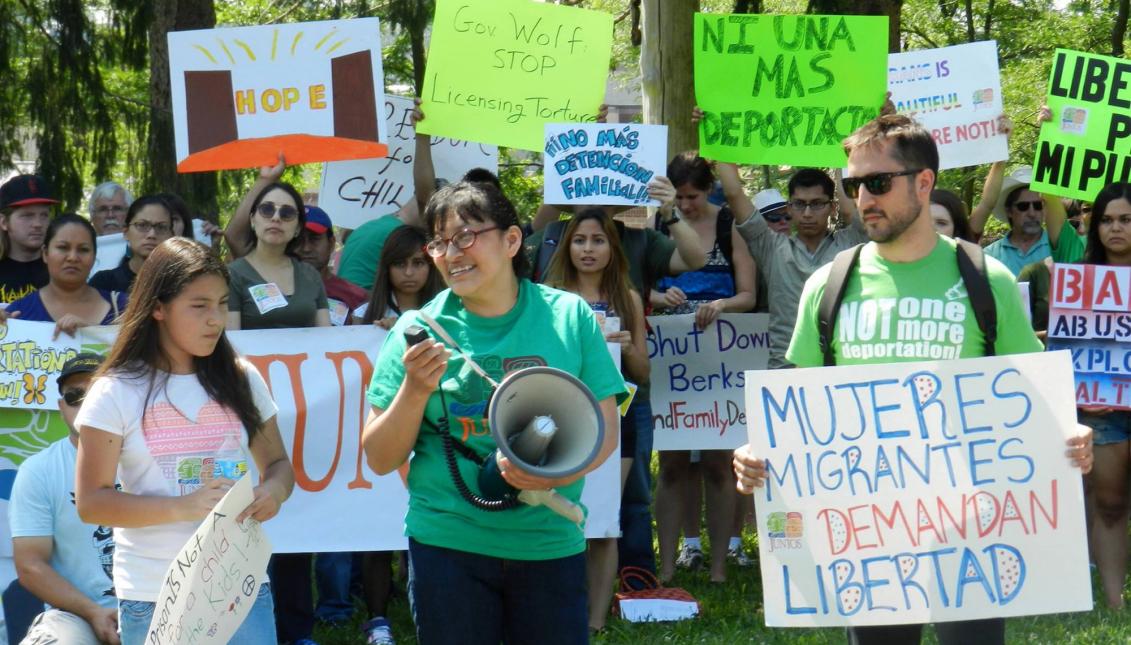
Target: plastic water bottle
230, 461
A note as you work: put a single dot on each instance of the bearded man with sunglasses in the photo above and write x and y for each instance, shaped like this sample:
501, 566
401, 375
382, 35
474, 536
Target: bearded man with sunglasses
1028, 241
892, 165
59, 558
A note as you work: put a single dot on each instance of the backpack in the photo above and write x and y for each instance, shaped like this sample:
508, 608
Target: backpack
971, 266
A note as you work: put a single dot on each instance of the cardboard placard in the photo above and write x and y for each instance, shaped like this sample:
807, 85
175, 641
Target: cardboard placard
601, 164
309, 90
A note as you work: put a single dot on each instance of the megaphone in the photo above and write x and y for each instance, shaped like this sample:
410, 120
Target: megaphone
547, 423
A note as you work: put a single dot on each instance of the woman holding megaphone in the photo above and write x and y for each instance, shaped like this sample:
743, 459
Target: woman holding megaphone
480, 574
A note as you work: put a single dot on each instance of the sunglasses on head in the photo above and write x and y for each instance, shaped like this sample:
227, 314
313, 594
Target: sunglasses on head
74, 397
877, 183
1021, 207
286, 212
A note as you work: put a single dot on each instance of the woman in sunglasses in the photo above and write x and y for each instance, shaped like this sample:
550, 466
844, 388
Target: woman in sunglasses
270, 288
515, 575
67, 300
149, 222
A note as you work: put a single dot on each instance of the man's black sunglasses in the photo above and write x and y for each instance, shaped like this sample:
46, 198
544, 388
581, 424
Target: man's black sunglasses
877, 183
74, 397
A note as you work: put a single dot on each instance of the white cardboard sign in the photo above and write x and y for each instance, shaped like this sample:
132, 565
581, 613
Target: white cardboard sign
603, 163
955, 92
919, 492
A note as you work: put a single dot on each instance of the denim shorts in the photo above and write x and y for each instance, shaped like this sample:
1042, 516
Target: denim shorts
258, 628
1109, 428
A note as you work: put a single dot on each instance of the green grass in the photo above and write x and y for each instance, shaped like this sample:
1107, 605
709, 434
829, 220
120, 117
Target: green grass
732, 613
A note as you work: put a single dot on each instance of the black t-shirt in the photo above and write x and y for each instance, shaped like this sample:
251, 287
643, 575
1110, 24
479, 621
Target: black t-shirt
120, 278
18, 279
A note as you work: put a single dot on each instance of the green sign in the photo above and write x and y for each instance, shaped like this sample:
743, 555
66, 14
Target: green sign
1087, 144
787, 89
499, 70
25, 432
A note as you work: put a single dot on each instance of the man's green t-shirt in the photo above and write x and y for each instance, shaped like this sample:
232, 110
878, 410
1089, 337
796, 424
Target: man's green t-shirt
545, 327
362, 250
898, 312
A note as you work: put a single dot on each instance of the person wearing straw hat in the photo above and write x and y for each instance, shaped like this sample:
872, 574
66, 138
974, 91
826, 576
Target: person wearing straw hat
1028, 241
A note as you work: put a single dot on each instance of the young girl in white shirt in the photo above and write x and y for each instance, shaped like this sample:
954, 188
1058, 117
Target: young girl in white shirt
169, 394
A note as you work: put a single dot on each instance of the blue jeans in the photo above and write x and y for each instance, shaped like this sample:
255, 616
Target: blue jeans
258, 628
635, 544
333, 573
465, 598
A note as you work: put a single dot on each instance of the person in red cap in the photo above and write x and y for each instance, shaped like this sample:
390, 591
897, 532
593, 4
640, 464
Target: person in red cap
315, 246
25, 211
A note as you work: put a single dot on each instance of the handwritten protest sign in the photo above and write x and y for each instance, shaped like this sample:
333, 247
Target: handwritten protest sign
603, 164
30, 361
322, 407
955, 92
698, 376
787, 89
918, 492
1085, 146
354, 192
211, 585
498, 70
1090, 315
309, 90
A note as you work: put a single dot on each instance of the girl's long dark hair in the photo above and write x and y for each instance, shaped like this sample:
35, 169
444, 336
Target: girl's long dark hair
957, 210
1095, 253
137, 352
615, 284
402, 244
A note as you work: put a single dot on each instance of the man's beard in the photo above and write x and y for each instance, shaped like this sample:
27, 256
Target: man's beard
896, 223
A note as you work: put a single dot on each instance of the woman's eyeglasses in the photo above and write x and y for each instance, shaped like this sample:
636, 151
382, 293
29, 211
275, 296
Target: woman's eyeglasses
267, 210
464, 239
144, 227
877, 183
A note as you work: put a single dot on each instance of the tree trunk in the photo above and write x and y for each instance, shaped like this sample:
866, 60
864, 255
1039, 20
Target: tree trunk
667, 71
198, 189
889, 8
1119, 29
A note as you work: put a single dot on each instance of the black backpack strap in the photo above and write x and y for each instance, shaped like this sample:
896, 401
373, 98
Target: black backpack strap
842, 266
972, 268
551, 236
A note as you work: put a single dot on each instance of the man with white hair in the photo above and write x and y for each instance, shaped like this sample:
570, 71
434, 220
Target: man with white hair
107, 206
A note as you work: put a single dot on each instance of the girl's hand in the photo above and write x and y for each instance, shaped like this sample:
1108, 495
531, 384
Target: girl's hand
424, 365
674, 297
1097, 410
1005, 125
199, 503
273, 173
603, 113
697, 115
5, 314
749, 472
523, 480
661, 190
262, 508
68, 325
624, 338
888, 107
1044, 114
707, 313
1080, 449
386, 323
417, 115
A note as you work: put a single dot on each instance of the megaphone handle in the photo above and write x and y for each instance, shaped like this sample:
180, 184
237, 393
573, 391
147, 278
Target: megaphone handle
555, 502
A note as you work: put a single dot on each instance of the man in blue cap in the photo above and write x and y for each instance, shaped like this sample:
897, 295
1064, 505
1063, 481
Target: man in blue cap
316, 246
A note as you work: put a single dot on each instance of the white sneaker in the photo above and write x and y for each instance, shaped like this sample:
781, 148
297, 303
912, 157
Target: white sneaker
690, 557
